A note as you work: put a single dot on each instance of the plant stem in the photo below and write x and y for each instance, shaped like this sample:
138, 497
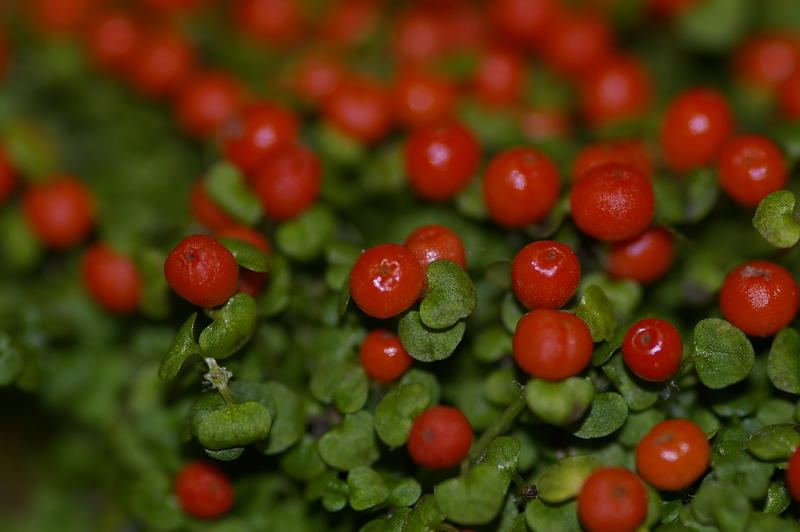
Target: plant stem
494, 430
218, 377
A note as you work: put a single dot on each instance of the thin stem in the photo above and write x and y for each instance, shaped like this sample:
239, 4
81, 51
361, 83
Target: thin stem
498, 427
218, 377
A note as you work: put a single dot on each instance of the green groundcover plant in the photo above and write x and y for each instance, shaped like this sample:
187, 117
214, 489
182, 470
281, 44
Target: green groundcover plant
193, 337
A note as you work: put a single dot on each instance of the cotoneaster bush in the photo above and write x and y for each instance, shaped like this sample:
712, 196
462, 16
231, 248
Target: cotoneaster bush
358, 265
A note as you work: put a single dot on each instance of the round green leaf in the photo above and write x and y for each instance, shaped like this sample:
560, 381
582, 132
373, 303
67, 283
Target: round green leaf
596, 311
303, 462
247, 255
425, 517
289, 421
783, 362
154, 301
426, 344
543, 517
774, 219
231, 328
183, 346
559, 402
607, 413
304, 238
721, 504
397, 410
228, 188
367, 488
714, 25
225, 455
405, 492
474, 499
450, 296
778, 498
511, 311
425, 378
350, 444
722, 354
563, 480
774, 442
639, 394
491, 344
234, 426
278, 293
342, 382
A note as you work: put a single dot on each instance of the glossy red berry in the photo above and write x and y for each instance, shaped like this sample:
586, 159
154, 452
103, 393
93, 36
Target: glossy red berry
421, 99
204, 490
793, 475
769, 59
207, 101
523, 20
612, 202
257, 131
202, 271
499, 76
612, 499
643, 258
164, 61
206, 211
520, 187
8, 177
759, 297
385, 280
269, 21
552, 344
288, 182
112, 39
317, 76
440, 160
750, 167
695, 126
616, 89
576, 41
60, 211
250, 282
436, 242
652, 349
673, 455
632, 152
440, 438
112, 279
545, 274
359, 108
383, 356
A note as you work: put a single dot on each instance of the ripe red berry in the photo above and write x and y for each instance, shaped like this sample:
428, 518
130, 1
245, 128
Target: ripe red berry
652, 349
695, 126
440, 160
418, 37
202, 271
616, 89
612, 202
759, 297
257, 131
552, 344
422, 99
317, 76
288, 182
164, 61
545, 274
204, 490
520, 187
112, 279
673, 454
544, 123
60, 211
207, 101
793, 475
61, 16
269, 21
576, 41
250, 282
768, 59
8, 177
612, 499
434, 242
383, 356
440, 438
385, 280
359, 108
499, 76
751, 167
349, 22
206, 211
789, 96
112, 39
643, 258
523, 20
631, 152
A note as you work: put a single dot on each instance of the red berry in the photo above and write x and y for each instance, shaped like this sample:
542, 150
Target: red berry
643, 258
8, 177
751, 167
60, 211
612, 499
383, 356
576, 41
317, 76
360, 108
670, 8
164, 61
269, 21
440, 438
206, 211
695, 126
523, 20
631, 152
520, 187
616, 89
202, 271
612, 202
789, 97
112, 39
422, 99
112, 279
673, 454
767, 60
793, 475
385, 280
207, 101
259, 130
203, 490
759, 297
552, 344
434, 242
348, 22
652, 349
499, 76
418, 37
543, 123
440, 160
288, 182
545, 274
61, 16
173, 6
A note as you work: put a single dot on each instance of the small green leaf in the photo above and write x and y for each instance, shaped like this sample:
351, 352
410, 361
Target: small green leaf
338, 146
623, 294
543, 517
247, 255
350, 444
498, 273
559, 402
722, 355
225, 455
563, 480
425, 378
303, 462
425, 517
10, 360
227, 188
511, 312
750, 476
639, 424
607, 413
150, 502
774, 442
183, 346
501, 387
474, 499
342, 382
330, 488
231, 328
503, 453
305, 237
397, 410
450, 296
778, 498
639, 394
20, 248
154, 301
783, 362
278, 293
702, 191
425, 344
774, 219
491, 344
721, 504
367, 488
596, 311
235, 425
405, 492
32, 150
289, 420
714, 25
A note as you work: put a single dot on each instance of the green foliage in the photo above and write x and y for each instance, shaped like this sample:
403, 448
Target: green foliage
426, 344
774, 219
450, 296
722, 353
395, 413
